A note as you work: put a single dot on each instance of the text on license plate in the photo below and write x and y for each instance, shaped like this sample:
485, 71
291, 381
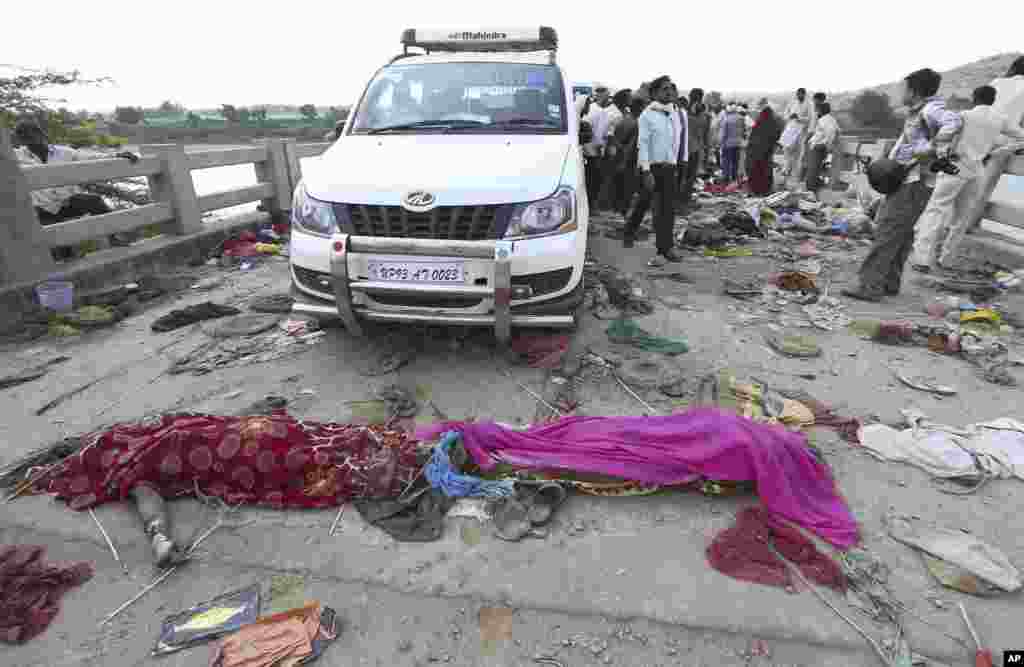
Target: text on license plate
417, 272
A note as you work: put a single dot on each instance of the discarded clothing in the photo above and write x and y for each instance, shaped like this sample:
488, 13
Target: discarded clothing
740, 222
628, 332
418, 519
991, 449
743, 552
274, 460
678, 449
442, 475
794, 281
935, 452
541, 350
793, 346
177, 319
209, 620
960, 549
30, 591
728, 252
295, 637
711, 236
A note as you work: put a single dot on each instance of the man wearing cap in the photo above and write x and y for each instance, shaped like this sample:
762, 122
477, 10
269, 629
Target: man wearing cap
67, 202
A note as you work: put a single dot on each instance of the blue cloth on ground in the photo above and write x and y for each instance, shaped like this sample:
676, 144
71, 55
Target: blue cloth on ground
442, 475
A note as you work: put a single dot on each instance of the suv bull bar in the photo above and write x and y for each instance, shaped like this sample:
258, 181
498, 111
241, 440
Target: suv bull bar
502, 319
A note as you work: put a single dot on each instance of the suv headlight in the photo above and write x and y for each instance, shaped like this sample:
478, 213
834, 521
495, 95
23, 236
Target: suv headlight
312, 215
557, 213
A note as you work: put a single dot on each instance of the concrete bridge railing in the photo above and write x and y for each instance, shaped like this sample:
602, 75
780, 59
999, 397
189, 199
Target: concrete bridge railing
25, 245
980, 245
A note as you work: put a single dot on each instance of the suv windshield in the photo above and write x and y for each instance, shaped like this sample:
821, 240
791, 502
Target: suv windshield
468, 98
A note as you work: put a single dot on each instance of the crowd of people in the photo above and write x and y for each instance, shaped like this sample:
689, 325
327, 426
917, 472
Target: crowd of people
645, 148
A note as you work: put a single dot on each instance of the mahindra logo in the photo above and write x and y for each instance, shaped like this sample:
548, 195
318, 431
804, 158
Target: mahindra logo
419, 200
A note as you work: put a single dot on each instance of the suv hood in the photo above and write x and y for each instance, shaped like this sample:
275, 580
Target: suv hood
459, 170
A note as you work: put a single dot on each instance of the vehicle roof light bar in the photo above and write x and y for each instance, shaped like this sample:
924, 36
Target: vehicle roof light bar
487, 41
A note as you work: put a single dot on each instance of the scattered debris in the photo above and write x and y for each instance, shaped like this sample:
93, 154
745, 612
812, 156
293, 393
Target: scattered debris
177, 319
31, 374
922, 383
208, 621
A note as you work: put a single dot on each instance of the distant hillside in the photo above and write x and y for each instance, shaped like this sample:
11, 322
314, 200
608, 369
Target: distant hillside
959, 82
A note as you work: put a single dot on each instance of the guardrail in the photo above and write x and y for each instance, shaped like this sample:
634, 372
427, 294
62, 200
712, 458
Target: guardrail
175, 206
987, 245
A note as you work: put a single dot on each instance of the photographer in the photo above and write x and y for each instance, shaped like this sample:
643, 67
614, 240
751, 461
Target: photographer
926, 135
984, 130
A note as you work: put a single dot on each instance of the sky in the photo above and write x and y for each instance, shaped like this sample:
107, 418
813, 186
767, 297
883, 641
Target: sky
204, 54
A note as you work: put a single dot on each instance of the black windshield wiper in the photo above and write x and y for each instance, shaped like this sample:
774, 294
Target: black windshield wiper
524, 122
426, 124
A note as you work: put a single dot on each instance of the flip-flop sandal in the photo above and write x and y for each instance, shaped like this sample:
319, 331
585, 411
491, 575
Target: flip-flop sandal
511, 520
922, 383
544, 502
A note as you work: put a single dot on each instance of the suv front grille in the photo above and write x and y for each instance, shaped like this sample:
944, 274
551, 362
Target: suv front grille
455, 223
314, 280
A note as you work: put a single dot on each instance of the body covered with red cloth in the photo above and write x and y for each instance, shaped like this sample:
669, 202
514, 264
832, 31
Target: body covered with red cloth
273, 460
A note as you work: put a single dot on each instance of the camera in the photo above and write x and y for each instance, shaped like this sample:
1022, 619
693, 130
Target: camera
946, 165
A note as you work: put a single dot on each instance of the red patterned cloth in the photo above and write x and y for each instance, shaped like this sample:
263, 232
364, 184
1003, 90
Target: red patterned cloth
30, 591
273, 460
742, 552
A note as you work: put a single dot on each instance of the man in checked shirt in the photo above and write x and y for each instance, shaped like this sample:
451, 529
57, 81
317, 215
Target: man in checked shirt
927, 134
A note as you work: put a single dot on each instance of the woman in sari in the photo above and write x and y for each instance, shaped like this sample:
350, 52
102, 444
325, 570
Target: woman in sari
761, 150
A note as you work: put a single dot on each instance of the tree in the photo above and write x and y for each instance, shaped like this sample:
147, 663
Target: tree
128, 115
167, 106
23, 94
308, 111
872, 109
229, 112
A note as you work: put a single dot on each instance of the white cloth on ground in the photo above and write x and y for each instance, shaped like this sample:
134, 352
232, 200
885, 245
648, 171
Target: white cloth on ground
995, 448
964, 551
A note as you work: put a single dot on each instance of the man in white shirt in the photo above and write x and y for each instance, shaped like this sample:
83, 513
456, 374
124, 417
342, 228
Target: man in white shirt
816, 100
597, 116
984, 130
826, 131
798, 113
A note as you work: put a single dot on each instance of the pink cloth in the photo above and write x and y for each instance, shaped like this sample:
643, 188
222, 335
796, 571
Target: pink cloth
677, 449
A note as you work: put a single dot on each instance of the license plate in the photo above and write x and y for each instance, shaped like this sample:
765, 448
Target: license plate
417, 272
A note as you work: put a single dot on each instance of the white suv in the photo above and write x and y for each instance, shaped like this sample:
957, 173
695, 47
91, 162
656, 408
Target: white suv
455, 194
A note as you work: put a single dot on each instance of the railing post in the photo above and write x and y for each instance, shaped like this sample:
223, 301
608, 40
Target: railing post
294, 165
174, 185
274, 170
24, 254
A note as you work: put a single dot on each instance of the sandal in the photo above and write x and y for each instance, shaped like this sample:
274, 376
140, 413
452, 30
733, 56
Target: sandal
543, 503
511, 520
